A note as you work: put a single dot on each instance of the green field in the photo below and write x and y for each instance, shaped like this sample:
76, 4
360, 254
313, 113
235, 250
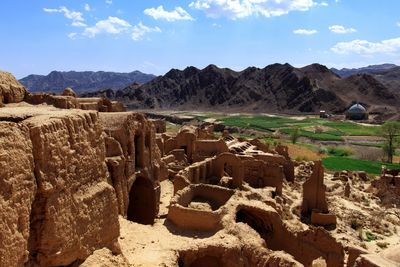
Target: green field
333, 130
344, 163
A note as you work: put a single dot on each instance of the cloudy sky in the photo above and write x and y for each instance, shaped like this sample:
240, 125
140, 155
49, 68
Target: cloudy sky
38, 36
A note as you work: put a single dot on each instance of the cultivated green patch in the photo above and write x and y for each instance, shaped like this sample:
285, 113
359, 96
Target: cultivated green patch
345, 163
330, 130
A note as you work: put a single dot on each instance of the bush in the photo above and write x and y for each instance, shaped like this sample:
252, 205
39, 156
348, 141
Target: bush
370, 236
339, 151
322, 150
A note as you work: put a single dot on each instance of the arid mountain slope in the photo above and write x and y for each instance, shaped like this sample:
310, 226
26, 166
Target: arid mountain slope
275, 88
345, 72
387, 74
83, 81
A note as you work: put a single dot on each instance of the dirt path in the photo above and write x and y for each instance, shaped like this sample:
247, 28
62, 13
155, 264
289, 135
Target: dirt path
167, 191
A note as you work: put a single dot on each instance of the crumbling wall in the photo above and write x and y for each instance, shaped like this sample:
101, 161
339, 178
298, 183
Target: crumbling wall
132, 152
17, 192
69, 101
259, 174
314, 191
304, 246
387, 187
75, 208
186, 217
208, 148
160, 125
183, 140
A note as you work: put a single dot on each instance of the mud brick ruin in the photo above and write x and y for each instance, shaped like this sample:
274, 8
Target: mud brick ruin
75, 173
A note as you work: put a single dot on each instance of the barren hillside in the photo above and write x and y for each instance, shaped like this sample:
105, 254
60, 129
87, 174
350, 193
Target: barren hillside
275, 88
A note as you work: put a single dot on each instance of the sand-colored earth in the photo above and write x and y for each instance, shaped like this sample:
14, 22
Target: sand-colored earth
362, 222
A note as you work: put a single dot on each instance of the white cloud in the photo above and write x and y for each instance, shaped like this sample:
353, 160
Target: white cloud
72, 35
140, 30
323, 4
160, 13
305, 32
366, 47
112, 25
51, 10
87, 7
398, 24
235, 9
109, 2
76, 17
341, 29
78, 24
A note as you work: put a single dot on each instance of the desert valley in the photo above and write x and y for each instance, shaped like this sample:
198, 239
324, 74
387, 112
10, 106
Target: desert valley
86, 182
201, 133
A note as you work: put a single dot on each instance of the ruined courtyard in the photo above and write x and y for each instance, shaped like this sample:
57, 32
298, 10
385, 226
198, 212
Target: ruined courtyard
86, 183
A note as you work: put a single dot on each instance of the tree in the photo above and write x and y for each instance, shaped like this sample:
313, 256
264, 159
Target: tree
390, 131
295, 134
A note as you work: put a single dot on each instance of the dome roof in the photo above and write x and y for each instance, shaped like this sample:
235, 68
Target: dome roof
357, 108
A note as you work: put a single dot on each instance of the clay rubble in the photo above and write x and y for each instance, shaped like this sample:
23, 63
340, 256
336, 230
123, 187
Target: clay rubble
85, 182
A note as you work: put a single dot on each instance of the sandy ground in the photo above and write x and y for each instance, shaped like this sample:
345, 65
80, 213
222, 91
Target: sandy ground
362, 222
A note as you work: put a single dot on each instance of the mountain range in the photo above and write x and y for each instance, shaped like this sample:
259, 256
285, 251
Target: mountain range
85, 81
372, 69
275, 88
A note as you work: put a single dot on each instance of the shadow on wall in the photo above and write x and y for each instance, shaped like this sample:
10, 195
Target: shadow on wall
142, 201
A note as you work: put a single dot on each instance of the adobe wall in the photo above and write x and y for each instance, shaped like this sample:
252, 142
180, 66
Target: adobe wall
314, 191
65, 154
304, 246
233, 255
186, 217
259, 174
72, 178
160, 125
288, 165
183, 140
387, 186
17, 192
131, 152
70, 102
208, 148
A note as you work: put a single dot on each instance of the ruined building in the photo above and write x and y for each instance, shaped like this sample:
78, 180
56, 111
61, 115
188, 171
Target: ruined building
83, 182
66, 175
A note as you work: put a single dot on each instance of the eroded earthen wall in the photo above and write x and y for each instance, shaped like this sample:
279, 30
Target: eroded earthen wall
132, 154
17, 192
75, 208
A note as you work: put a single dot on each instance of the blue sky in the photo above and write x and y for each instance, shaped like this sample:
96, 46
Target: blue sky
39, 36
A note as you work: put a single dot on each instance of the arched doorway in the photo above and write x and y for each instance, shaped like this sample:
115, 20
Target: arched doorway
142, 202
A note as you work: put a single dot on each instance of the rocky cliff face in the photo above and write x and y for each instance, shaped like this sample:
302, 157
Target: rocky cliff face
60, 196
275, 88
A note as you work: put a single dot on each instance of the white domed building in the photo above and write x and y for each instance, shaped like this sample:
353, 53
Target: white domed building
357, 112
